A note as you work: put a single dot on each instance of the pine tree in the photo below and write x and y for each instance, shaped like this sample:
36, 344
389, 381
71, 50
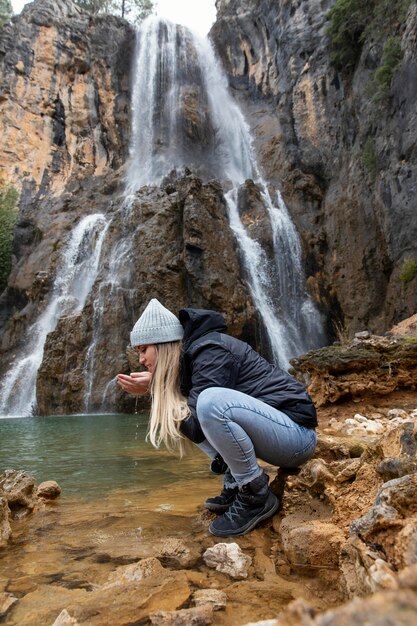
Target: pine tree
133, 10
6, 11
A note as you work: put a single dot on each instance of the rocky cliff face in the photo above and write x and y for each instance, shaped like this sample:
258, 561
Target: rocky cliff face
66, 83
65, 96
312, 128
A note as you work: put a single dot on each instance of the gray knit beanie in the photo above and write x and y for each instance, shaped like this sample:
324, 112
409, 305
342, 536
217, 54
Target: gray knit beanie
156, 325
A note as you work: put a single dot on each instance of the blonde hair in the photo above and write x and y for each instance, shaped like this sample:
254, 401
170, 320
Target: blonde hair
169, 406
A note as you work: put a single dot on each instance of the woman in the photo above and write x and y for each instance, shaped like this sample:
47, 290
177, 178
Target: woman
218, 392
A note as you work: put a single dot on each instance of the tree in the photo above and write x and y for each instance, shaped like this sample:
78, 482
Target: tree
6, 11
8, 216
133, 10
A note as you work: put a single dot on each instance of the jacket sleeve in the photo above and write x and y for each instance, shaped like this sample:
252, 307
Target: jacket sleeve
213, 366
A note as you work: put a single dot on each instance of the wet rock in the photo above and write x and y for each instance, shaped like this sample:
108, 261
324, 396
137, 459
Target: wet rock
5, 529
228, 558
19, 489
213, 597
199, 616
145, 568
48, 490
176, 553
7, 600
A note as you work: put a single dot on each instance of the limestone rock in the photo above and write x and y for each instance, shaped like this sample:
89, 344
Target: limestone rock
229, 559
177, 553
145, 568
405, 551
65, 619
352, 372
213, 597
7, 600
19, 489
48, 490
199, 616
5, 529
312, 544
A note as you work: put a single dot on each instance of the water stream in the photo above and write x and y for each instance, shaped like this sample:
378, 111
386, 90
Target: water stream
77, 271
177, 72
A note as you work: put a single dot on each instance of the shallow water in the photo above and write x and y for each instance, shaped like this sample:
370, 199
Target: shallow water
90, 455
120, 497
120, 501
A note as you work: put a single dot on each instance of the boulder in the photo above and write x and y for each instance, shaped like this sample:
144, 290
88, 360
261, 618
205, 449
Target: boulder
19, 489
229, 559
48, 490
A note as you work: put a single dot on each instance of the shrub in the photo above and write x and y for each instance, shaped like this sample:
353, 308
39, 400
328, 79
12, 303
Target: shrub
408, 270
391, 57
352, 21
369, 157
8, 215
348, 20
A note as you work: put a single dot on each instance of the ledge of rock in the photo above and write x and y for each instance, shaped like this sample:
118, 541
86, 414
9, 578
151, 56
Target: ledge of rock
368, 365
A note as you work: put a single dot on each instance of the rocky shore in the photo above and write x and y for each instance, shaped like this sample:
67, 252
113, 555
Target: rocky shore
341, 550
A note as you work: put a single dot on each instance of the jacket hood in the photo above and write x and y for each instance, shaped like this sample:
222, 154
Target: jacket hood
199, 322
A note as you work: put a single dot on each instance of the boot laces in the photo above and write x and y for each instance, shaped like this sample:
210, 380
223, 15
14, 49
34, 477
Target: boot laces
239, 505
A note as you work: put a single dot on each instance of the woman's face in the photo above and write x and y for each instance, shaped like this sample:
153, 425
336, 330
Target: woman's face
147, 356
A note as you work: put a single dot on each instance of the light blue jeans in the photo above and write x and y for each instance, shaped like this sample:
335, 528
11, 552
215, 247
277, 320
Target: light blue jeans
242, 429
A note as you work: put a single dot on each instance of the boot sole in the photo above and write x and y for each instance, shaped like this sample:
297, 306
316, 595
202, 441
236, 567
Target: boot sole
249, 526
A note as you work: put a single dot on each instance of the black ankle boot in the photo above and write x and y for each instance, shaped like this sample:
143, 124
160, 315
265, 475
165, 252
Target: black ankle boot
253, 503
220, 504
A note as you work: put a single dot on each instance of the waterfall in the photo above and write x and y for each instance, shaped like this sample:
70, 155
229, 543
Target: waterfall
177, 72
77, 271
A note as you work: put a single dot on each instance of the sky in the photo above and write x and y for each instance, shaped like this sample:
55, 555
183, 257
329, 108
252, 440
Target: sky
198, 15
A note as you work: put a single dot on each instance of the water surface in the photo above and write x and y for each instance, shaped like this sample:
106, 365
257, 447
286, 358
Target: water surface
90, 455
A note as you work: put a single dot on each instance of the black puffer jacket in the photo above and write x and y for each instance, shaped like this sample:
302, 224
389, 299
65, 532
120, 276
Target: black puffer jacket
210, 358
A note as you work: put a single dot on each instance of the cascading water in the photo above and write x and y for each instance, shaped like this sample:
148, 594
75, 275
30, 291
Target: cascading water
77, 271
177, 73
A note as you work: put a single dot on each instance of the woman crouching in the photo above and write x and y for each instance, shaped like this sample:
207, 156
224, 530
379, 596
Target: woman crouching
216, 391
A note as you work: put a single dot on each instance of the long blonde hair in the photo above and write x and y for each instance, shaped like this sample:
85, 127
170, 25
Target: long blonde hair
169, 406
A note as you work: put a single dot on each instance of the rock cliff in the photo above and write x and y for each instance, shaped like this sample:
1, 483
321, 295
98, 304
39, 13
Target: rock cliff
66, 84
345, 162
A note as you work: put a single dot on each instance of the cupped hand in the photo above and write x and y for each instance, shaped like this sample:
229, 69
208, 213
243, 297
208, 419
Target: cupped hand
138, 383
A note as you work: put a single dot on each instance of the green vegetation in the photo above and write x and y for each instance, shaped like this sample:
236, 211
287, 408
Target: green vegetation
133, 10
408, 270
8, 215
369, 157
391, 57
6, 11
352, 21
348, 20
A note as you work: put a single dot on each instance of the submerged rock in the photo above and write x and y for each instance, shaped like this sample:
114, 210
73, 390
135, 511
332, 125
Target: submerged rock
48, 490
